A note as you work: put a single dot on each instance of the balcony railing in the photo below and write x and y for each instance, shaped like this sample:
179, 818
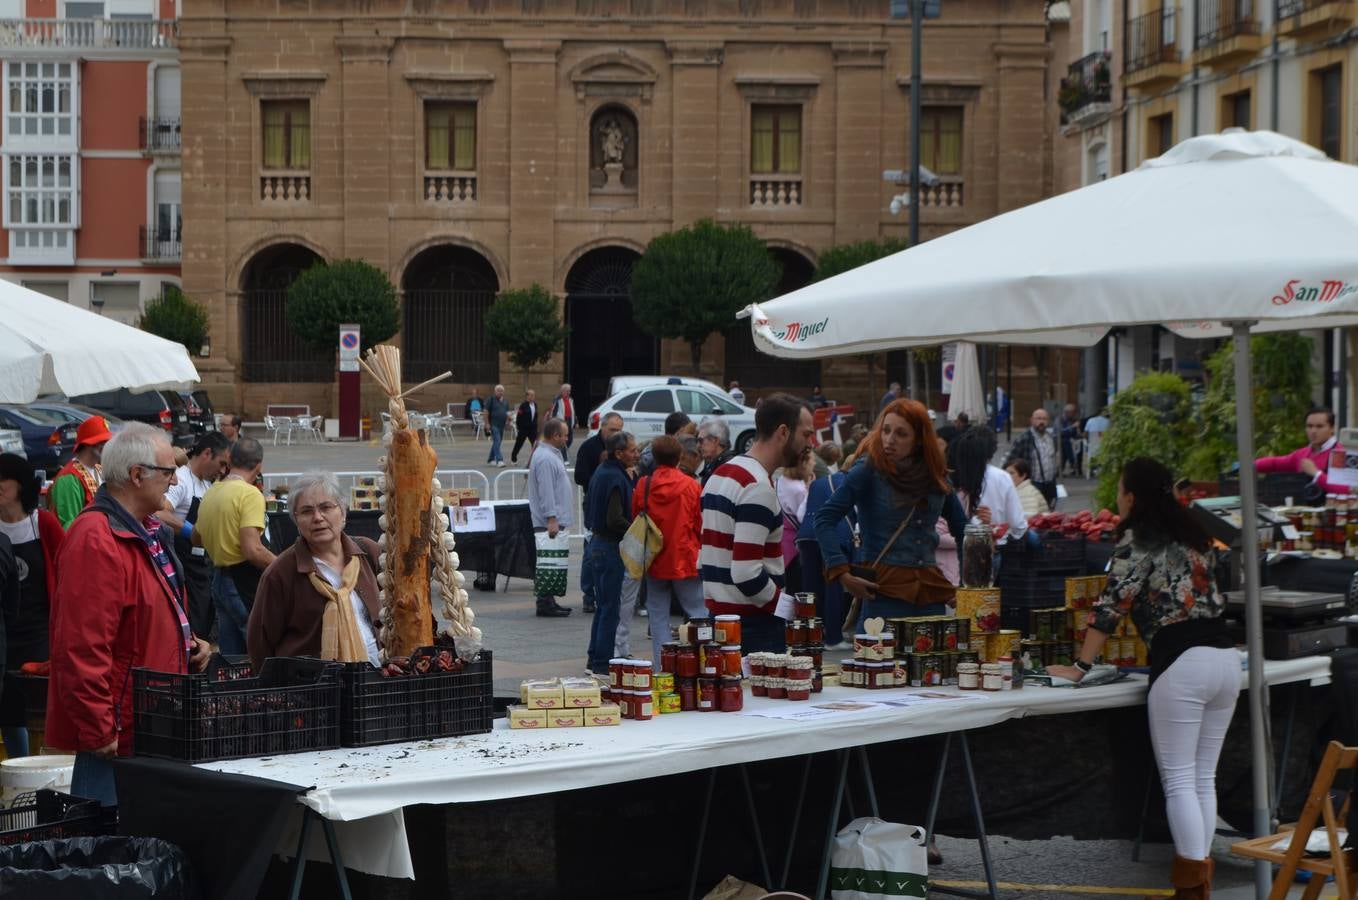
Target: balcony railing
104, 34
160, 135
1152, 39
458, 188
1293, 18
775, 191
285, 187
1221, 20
946, 194
161, 244
1088, 81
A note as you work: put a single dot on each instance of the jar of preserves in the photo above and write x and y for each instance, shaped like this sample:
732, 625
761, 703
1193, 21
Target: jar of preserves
730, 660
707, 695
701, 631
888, 644
777, 688
817, 654
798, 668
817, 682
641, 675
758, 687
757, 663
642, 705
686, 662
669, 654
727, 629
968, 676
616, 672
804, 605
1006, 664
688, 693
731, 695
795, 631
775, 665
992, 678
978, 555
799, 689
815, 630
709, 665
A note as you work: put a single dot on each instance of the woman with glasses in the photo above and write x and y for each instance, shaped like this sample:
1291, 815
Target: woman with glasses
319, 597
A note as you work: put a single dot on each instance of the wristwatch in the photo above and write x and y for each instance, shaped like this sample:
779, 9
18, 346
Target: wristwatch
1083, 666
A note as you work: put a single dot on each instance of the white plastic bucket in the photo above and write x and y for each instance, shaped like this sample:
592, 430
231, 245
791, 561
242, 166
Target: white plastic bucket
29, 773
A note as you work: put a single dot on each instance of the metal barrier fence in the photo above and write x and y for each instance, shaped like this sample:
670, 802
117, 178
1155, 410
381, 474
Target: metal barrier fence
512, 484
450, 478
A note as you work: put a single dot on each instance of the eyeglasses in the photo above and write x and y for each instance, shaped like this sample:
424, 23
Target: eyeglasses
168, 470
325, 509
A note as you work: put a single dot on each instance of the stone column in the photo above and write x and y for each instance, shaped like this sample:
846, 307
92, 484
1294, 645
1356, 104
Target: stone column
695, 67
532, 161
1022, 141
365, 153
858, 139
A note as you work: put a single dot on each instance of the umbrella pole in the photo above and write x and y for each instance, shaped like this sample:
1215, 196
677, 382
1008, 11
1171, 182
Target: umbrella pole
1254, 637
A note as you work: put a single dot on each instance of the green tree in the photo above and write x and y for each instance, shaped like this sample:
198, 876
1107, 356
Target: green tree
1283, 380
692, 282
1151, 417
347, 290
175, 317
526, 324
843, 257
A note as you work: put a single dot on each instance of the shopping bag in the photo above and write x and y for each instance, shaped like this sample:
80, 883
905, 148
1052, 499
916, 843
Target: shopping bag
643, 540
874, 859
549, 575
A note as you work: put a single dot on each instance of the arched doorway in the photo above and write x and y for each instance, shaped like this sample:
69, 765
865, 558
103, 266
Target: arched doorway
604, 339
269, 349
447, 291
759, 373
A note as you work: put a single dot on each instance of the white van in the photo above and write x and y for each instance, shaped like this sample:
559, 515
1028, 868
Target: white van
619, 383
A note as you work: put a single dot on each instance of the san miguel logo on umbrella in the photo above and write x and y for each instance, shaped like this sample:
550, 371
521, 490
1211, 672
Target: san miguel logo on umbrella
799, 331
1325, 292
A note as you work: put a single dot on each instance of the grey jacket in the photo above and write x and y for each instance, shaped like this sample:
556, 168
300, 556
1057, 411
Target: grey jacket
549, 488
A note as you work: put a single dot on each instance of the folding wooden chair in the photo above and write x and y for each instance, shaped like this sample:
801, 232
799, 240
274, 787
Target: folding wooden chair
1337, 863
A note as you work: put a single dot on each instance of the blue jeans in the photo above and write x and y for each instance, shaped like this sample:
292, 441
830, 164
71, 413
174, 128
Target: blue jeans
658, 590
587, 586
608, 572
497, 433
892, 608
93, 779
232, 615
829, 597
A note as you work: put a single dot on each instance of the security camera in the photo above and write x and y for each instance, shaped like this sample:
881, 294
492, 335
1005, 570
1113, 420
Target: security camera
896, 206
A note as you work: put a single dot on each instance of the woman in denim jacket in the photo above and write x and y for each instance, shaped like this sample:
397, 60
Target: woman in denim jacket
900, 474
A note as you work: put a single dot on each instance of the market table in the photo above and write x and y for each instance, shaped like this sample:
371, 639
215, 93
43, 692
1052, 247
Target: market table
367, 788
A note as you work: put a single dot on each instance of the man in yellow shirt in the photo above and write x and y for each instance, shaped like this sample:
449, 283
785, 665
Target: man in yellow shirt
231, 528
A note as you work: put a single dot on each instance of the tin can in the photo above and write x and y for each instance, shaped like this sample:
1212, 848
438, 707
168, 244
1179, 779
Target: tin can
968, 656
1063, 653
923, 637
946, 633
663, 682
948, 668
963, 633
1142, 654
981, 607
1033, 654
926, 670
669, 703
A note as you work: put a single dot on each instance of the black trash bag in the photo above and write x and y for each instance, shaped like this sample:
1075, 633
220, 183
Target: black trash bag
96, 868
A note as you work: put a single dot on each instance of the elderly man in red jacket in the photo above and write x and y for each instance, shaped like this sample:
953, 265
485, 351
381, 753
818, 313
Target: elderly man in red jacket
119, 605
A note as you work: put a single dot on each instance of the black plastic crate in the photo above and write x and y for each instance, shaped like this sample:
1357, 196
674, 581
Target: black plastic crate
1028, 589
1056, 551
1274, 489
48, 815
378, 710
227, 712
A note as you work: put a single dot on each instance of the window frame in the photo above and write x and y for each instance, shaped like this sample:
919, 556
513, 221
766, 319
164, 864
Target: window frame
432, 104
933, 137
673, 405
18, 85
289, 163
778, 110
1327, 77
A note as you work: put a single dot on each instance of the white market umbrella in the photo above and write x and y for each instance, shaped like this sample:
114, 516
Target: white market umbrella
1232, 233
968, 394
48, 346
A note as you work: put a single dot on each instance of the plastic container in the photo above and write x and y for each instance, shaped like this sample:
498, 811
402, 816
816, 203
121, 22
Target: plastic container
378, 710
49, 815
26, 774
978, 555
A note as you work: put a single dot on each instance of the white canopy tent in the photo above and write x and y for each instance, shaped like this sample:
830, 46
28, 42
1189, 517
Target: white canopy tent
48, 346
1235, 233
968, 394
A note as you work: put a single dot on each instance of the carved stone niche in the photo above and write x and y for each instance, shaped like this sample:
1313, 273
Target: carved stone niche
613, 157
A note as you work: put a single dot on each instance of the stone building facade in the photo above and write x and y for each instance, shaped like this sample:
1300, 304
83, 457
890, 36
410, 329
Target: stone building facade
468, 146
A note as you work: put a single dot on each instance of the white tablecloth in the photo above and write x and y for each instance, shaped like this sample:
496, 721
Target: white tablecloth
356, 784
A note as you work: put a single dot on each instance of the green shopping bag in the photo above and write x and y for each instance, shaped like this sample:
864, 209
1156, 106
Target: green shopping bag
875, 860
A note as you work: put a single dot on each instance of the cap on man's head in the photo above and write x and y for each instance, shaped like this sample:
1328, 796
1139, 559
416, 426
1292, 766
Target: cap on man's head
92, 431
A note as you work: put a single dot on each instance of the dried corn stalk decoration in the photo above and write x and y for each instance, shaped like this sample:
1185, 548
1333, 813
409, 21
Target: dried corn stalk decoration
414, 530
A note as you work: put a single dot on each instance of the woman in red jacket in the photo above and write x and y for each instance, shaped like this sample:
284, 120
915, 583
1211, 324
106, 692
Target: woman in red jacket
673, 501
36, 535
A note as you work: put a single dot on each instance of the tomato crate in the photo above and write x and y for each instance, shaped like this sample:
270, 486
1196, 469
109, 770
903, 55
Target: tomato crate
376, 709
228, 712
48, 815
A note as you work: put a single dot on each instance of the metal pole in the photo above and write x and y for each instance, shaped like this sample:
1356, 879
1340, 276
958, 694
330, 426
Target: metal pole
916, 51
1254, 620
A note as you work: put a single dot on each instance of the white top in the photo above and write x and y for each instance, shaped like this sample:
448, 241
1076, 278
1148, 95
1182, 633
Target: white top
1097, 424
24, 531
792, 493
998, 493
188, 486
360, 611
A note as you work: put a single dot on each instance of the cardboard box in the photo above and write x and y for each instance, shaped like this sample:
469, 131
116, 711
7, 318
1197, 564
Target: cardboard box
566, 718
581, 693
523, 717
542, 695
608, 714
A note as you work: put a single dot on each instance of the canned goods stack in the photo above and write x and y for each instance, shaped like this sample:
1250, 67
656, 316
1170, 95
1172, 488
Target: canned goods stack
1124, 649
562, 703
702, 671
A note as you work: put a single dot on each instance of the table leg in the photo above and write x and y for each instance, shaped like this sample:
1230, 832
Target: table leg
833, 824
1145, 811
332, 843
299, 861
796, 821
702, 833
754, 822
993, 889
938, 787
867, 780
1280, 775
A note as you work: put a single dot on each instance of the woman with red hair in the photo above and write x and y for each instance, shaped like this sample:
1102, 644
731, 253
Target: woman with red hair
899, 486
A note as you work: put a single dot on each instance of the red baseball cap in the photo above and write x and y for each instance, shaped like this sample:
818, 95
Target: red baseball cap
93, 430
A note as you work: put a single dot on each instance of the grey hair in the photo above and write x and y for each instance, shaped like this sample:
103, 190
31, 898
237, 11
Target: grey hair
553, 427
134, 445
309, 482
717, 428
618, 441
608, 417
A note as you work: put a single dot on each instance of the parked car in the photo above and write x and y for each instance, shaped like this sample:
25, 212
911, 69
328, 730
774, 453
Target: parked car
75, 413
199, 408
644, 410
12, 441
164, 409
619, 383
48, 441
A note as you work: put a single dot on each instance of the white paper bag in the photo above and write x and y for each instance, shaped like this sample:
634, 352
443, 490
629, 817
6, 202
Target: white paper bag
874, 859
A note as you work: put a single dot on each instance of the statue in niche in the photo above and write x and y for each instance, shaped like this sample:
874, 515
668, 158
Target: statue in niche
612, 141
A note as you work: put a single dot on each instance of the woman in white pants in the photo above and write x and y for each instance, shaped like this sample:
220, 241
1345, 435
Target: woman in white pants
1162, 575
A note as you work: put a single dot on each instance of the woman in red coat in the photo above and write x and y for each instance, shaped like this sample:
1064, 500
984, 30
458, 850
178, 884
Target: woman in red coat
675, 505
36, 535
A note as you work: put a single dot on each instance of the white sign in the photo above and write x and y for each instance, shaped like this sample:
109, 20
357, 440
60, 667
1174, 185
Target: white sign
349, 344
473, 518
1343, 468
949, 356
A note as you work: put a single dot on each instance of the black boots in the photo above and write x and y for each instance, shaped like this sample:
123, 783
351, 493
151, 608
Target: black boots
548, 608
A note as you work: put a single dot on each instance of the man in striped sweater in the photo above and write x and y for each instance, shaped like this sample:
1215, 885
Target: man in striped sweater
742, 556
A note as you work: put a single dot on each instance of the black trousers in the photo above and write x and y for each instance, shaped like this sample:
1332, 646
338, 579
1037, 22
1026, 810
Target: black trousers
202, 612
525, 436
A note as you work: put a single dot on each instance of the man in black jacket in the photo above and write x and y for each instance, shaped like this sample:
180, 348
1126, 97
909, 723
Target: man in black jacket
526, 425
587, 459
